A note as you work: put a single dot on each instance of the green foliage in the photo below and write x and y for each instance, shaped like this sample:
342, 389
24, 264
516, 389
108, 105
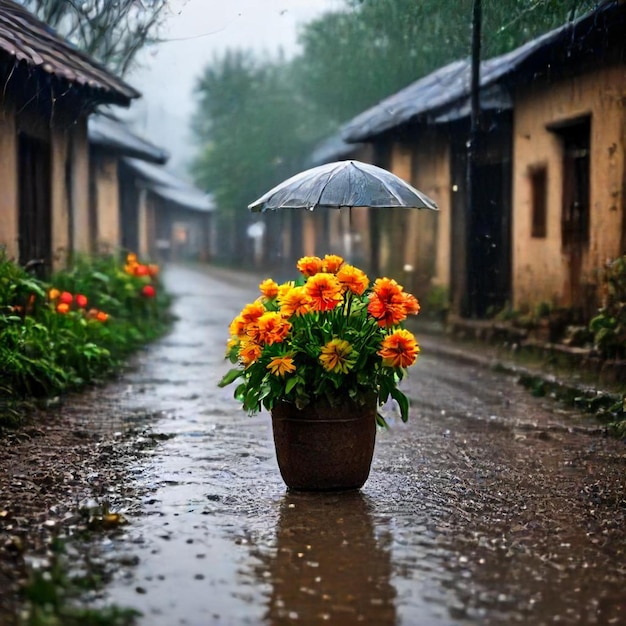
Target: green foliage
252, 131
251, 128
438, 301
609, 326
44, 352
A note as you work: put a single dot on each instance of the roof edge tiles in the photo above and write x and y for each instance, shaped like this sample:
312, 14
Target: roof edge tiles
29, 40
443, 93
112, 135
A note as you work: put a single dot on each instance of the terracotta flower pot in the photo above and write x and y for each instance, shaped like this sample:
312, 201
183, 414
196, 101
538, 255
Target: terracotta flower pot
324, 447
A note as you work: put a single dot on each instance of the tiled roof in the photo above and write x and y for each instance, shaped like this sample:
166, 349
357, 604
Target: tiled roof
444, 93
169, 187
29, 40
115, 136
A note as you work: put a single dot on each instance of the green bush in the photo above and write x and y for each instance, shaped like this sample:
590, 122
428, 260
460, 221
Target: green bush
48, 347
609, 325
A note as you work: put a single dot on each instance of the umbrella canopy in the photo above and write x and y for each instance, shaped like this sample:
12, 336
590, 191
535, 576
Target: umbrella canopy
343, 184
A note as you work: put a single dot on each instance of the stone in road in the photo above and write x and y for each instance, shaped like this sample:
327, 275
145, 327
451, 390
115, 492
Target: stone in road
486, 508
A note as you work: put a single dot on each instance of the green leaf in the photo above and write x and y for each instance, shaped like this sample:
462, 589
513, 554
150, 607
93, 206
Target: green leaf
403, 402
291, 383
230, 376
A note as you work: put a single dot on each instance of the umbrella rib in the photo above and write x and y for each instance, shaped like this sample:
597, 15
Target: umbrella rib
384, 184
330, 177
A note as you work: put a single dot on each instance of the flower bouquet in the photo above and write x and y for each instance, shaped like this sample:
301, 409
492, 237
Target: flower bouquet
329, 334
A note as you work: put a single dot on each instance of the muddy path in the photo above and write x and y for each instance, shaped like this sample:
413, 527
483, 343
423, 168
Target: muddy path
489, 507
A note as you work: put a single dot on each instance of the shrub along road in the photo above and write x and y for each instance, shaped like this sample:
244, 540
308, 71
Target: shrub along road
489, 507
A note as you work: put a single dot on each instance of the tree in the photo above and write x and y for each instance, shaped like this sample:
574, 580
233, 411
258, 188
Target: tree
252, 130
111, 31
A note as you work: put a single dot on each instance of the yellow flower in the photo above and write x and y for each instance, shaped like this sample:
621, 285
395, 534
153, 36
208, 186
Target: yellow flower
353, 279
336, 356
281, 365
332, 263
237, 327
53, 294
269, 288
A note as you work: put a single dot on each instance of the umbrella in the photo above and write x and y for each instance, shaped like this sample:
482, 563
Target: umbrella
343, 184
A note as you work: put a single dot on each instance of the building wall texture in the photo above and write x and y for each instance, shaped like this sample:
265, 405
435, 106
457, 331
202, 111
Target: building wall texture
8, 183
541, 267
107, 210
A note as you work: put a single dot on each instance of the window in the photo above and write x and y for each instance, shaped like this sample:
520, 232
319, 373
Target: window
539, 190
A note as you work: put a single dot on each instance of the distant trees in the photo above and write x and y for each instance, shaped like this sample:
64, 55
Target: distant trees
111, 31
252, 129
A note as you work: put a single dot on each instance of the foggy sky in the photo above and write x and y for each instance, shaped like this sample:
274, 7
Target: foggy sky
195, 31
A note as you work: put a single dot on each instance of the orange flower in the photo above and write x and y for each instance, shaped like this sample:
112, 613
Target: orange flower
252, 312
387, 312
400, 349
269, 288
131, 257
272, 328
237, 327
284, 288
324, 290
387, 302
281, 365
353, 279
310, 265
332, 263
101, 316
296, 301
411, 304
63, 307
153, 269
249, 352
385, 288
53, 294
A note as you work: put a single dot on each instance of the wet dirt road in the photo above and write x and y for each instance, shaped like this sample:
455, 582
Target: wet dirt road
488, 507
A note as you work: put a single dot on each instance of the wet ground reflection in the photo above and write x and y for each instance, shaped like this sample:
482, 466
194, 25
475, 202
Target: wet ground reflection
332, 562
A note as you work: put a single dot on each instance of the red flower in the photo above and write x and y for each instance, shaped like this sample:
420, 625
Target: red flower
66, 298
148, 291
141, 270
81, 300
